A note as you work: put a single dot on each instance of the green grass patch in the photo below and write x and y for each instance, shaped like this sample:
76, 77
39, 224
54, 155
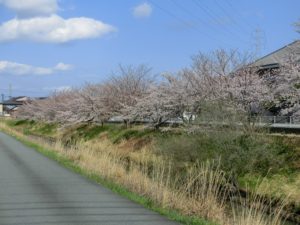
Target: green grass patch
47, 129
130, 133
115, 132
85, 132
14, 123
30, 127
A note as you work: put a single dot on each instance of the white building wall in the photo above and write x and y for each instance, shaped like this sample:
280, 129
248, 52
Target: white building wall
1, 110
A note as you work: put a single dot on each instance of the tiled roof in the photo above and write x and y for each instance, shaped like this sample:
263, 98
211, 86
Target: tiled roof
280, 56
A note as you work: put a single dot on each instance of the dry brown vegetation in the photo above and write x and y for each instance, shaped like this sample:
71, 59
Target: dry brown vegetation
254, 211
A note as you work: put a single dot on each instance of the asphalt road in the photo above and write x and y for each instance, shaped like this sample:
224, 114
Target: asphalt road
36, 190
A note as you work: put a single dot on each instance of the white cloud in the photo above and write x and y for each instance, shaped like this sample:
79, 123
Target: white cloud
143, 10
26, 8
13, 68
37, 21
63, 67
53, 29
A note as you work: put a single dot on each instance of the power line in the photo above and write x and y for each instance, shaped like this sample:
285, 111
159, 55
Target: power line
189, 12
238, 13
230, 16
187, 24
259, 34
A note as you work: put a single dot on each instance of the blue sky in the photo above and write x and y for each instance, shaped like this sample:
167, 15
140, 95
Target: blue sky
49, 45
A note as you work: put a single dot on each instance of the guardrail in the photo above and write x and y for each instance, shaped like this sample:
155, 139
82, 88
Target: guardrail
277, 119
277, 122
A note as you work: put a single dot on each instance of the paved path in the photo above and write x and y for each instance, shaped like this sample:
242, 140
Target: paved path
38, 191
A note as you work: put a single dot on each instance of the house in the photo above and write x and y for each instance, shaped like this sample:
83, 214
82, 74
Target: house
8, 107
277, 58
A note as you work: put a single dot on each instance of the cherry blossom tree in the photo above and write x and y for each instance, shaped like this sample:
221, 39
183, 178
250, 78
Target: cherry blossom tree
285, 84
225, 77
93, 103
248, 91
89, 104
126, 86
157, 106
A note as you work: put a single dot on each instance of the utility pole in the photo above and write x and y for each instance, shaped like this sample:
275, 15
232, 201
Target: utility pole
10, 91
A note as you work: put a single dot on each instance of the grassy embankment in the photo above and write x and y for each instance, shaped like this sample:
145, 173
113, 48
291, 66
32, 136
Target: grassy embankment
166, 166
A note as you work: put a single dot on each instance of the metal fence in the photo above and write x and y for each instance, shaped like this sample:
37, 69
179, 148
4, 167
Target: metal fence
277, 119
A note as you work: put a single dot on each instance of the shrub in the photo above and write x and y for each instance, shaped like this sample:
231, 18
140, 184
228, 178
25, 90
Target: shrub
239, 154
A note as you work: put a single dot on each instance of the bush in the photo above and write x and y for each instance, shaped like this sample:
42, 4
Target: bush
80, 132
129, 133
238, 154
14, 123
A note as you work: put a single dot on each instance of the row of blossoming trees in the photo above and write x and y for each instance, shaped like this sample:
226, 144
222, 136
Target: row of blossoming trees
133, 93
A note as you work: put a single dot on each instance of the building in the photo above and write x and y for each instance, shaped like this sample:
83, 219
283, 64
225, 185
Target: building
8, 107
277, 58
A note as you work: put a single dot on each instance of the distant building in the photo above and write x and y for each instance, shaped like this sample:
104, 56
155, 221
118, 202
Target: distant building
8, 107
277, 58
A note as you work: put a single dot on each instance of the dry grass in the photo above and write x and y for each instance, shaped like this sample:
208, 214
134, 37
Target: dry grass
198, 193
253, 210
282, 186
